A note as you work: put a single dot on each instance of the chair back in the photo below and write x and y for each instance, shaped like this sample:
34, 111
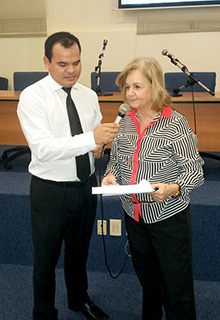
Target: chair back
25, 79
3, 83
107, 81
174, 80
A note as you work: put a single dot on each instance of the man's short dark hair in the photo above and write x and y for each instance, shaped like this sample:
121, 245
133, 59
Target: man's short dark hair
66, 40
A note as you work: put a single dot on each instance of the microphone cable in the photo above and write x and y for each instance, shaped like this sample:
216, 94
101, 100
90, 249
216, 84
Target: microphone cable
103, 236
194, 109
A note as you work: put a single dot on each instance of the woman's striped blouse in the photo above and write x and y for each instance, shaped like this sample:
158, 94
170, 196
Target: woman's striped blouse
165, 152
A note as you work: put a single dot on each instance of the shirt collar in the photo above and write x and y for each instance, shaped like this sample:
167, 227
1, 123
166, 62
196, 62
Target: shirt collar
54, 85
166, 112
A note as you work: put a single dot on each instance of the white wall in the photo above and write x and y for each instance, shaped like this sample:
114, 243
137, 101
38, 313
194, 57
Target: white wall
95, 20
20, 54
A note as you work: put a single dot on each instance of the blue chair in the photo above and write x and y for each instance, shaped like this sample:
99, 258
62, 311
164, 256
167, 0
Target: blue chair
175, 80
3, 83
21, 81
24, 79
107, 81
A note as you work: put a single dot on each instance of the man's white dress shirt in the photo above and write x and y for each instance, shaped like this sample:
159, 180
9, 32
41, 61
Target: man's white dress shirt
44, 120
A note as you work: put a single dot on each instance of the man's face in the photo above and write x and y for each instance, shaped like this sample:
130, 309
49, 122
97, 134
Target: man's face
65, 65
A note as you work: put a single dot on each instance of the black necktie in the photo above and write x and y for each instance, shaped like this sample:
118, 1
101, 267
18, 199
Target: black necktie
82, 162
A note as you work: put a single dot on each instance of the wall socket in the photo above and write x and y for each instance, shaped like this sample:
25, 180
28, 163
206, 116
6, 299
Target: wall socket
101, 230
115, 227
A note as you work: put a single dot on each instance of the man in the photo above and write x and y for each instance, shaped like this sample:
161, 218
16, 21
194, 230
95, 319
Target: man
62, 207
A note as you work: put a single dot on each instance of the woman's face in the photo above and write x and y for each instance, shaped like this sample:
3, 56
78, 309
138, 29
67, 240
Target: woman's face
138, 90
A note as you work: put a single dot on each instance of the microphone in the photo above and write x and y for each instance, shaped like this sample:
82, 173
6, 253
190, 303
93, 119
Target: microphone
165, 52
123, 110
175, 61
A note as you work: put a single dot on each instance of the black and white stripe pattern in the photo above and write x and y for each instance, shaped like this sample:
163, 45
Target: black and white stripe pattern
168, 153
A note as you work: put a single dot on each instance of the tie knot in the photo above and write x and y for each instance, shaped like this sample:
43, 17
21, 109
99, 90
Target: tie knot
67, 90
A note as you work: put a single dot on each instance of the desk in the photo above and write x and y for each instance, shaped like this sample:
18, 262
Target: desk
206, 118
203, 118
10, 130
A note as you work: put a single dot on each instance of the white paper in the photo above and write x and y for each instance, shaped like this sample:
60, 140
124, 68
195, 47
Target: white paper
111, 190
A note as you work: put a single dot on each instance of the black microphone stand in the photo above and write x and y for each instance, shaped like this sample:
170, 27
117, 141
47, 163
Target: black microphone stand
192, 78
176, 93
192, 81
98, 73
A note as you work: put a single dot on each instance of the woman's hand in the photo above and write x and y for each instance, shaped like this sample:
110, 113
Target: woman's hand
163, 191
109, 179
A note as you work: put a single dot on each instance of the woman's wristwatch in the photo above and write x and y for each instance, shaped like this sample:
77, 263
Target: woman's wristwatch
177, 194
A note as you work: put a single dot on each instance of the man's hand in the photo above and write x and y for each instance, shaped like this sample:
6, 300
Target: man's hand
106, 133
98, 151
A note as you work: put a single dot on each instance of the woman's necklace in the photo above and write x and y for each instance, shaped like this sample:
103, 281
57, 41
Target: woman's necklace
145, 120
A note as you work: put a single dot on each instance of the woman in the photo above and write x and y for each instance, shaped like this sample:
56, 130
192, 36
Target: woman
155, 143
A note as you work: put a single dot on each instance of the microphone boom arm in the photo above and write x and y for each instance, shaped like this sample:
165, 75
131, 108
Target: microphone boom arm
184, 69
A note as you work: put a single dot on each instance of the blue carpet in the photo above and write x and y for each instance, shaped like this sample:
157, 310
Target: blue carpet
15, 230
120, 298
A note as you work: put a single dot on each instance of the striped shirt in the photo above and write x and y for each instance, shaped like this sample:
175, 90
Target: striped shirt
165, 152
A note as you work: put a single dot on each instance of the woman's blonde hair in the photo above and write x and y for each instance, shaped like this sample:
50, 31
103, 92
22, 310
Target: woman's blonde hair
151, 69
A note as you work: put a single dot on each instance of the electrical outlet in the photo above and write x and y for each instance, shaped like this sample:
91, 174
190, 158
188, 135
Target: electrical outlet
115, 227
102, 227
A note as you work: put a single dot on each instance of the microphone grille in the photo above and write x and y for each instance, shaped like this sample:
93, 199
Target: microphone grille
164, 52
124, 108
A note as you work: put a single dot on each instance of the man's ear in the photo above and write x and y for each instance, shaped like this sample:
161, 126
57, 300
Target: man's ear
46, 62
